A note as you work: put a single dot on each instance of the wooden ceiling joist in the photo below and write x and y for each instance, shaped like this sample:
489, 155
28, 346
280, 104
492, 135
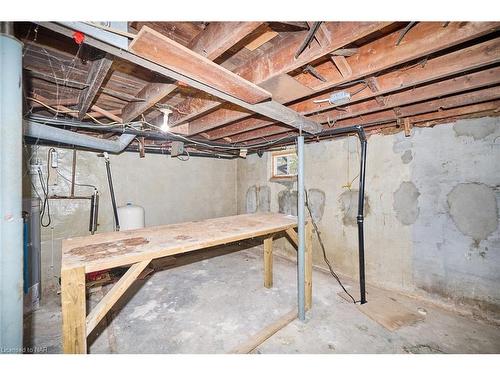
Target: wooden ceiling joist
424, 120
218, 37
425, 39
451, 86
156, 47
98, 71
455, 112
212, 42
108, 114
460, 61
280, 60
389, 115
269, 109
152, 93
436, 73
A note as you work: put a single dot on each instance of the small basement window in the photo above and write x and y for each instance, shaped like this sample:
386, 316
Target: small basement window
284, 164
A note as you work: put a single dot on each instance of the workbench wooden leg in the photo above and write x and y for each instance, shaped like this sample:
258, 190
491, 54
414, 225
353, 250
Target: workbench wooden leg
74, 334
268, 262
308, 264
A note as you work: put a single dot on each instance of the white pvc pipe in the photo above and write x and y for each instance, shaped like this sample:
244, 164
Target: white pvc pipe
11, 222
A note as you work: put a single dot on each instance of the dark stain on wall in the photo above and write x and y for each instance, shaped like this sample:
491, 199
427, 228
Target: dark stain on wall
405, 203
348, 201
258, 199
473, 208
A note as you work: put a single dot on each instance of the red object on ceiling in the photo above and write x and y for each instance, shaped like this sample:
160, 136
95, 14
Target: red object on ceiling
78, 37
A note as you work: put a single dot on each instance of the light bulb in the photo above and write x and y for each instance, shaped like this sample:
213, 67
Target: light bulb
164, 127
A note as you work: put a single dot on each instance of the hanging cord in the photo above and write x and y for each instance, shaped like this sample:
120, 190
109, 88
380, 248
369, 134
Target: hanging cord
45, 189
325, 258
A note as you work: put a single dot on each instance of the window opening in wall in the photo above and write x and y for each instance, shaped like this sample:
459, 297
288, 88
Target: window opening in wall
284, 164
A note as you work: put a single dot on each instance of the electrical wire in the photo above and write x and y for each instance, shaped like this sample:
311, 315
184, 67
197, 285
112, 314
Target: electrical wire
229, 147
325, 258
45, 187
186, 159
105, 126
68, 180
67, 111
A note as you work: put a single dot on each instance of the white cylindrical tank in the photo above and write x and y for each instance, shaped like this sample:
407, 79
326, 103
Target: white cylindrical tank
131, 216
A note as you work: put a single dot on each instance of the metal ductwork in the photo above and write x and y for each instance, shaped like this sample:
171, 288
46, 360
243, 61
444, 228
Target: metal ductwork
50, 133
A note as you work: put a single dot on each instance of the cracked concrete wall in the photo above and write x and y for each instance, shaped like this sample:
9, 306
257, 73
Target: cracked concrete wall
170, 191
431, 226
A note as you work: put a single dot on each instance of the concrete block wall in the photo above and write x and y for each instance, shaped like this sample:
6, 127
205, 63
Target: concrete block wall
432, 209
170, 190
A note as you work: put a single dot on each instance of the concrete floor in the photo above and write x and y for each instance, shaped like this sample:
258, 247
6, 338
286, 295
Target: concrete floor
214, 304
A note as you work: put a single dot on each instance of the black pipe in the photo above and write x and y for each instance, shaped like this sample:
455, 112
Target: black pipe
112, 192
94, 211
358, 129
360, 218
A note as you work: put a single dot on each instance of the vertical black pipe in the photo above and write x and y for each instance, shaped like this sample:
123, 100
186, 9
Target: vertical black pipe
94, 211
91, 221
360, 218
112, 192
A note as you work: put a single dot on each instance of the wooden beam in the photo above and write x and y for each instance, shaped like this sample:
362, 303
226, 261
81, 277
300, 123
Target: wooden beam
152, 93
56, 80
265, 37
455, 85
268, 262
269, 109
425, 38
257, 339
108, 301
112, 114
106, 113
284, 26
460, 61
156, 47
345, 52
73, 308
445, 87
280, 60
98, 71
218, 37
489, 108
342, 65
407, 126
292, 234
212, 42
51, 102
455, 112
386, 116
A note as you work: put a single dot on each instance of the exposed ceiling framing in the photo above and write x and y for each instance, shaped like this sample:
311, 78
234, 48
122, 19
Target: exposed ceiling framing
239, 83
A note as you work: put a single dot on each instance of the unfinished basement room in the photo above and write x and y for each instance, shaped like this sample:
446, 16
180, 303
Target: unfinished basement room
250, 187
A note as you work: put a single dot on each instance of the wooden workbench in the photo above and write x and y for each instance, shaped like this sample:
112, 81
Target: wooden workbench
136, 248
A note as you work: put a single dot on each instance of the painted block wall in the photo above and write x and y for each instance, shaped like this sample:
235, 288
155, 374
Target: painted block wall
432, 209
170, 190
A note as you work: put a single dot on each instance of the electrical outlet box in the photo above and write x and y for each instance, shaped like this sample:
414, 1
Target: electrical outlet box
340, 97
53, 159
35, 166
176, 149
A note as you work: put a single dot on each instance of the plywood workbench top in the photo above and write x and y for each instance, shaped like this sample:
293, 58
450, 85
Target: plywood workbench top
114, 249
